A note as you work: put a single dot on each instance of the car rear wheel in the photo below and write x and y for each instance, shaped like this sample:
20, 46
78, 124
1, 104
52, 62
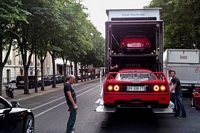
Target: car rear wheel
29, 125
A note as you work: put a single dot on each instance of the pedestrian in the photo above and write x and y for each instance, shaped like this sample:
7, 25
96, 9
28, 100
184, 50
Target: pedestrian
172, 94
114, 67
70, 96
178, 94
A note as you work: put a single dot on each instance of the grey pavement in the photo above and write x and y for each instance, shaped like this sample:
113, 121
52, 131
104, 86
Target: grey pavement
19, 93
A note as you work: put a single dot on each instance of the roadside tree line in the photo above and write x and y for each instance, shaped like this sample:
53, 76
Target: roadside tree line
181, 22
58, 27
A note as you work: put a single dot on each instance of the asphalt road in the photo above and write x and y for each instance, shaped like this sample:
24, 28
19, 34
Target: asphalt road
51, 115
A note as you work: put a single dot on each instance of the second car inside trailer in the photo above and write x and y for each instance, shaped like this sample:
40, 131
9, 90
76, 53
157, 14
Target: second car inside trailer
145, 22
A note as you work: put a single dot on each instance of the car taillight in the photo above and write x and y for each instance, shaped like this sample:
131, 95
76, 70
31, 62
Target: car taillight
116, 87
156, 88
123, 45
146, 45
159, 88
113, 88
110, 88
162, 88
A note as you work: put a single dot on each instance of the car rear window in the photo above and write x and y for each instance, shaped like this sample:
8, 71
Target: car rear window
135, 76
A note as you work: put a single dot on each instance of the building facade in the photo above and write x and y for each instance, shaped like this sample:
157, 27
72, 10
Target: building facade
14, 66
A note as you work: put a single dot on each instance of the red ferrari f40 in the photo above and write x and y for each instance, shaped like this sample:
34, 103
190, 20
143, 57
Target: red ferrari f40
136, 87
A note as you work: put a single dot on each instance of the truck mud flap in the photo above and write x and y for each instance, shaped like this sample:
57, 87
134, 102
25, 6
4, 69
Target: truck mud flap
101, 108
168, 110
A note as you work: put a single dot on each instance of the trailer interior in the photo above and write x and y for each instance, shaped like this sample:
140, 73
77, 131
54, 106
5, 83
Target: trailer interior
117, 30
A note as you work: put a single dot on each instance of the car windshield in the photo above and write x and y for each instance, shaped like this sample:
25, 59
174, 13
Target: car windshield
135, 76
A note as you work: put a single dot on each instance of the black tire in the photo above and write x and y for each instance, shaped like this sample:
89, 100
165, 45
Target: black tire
29, 125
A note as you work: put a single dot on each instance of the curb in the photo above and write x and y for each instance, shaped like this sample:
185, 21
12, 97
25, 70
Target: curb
48, 89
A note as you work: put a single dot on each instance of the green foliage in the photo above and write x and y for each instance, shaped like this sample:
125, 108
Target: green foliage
181, 18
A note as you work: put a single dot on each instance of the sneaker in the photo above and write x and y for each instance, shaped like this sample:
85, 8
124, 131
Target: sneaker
181, 117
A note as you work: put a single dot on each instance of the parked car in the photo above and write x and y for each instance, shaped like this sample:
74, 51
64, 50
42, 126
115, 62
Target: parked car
135, 42
195, 98
58, 79
79, 76
20, 82
47, 81
14, 118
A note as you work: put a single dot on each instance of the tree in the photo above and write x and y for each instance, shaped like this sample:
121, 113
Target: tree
181, 28
11, 14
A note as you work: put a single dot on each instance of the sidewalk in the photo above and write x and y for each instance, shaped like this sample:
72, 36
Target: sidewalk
19, 93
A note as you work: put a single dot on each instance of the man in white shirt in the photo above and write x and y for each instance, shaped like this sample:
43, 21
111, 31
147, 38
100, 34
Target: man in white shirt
172, 94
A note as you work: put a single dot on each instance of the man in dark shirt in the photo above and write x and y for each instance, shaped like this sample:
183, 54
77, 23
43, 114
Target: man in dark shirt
178, 93
114, 67
70, 96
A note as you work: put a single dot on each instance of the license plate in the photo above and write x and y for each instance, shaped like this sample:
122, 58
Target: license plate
137, 45
136, 88
21, 81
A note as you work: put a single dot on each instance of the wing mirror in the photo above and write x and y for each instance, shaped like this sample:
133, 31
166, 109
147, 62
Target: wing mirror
15, 104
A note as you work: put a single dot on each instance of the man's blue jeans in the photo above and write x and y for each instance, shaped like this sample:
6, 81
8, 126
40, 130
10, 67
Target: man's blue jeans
72, 119
173, 99
180, 106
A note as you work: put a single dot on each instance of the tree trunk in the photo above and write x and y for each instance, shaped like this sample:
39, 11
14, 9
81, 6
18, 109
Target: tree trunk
65, 65
81, 71
26, 82
1, 64
42, 75
1, 83
54, 70
36, 79
75, 70
71, 67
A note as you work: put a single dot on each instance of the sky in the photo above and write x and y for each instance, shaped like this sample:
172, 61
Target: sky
97, 9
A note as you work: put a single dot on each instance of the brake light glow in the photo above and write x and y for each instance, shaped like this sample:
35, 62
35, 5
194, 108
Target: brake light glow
123, 45
156, 88
116, 87
110, 88
162, 88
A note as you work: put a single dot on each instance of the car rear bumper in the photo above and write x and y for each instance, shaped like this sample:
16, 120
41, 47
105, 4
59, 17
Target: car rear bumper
138, 99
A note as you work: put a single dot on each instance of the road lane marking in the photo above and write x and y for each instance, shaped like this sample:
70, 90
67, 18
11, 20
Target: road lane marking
61, 103
61, 98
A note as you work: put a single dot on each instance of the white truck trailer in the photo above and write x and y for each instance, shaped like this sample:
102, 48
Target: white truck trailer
186, 63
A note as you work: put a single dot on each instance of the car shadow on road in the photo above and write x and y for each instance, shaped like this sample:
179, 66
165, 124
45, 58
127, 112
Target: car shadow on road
129, 121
